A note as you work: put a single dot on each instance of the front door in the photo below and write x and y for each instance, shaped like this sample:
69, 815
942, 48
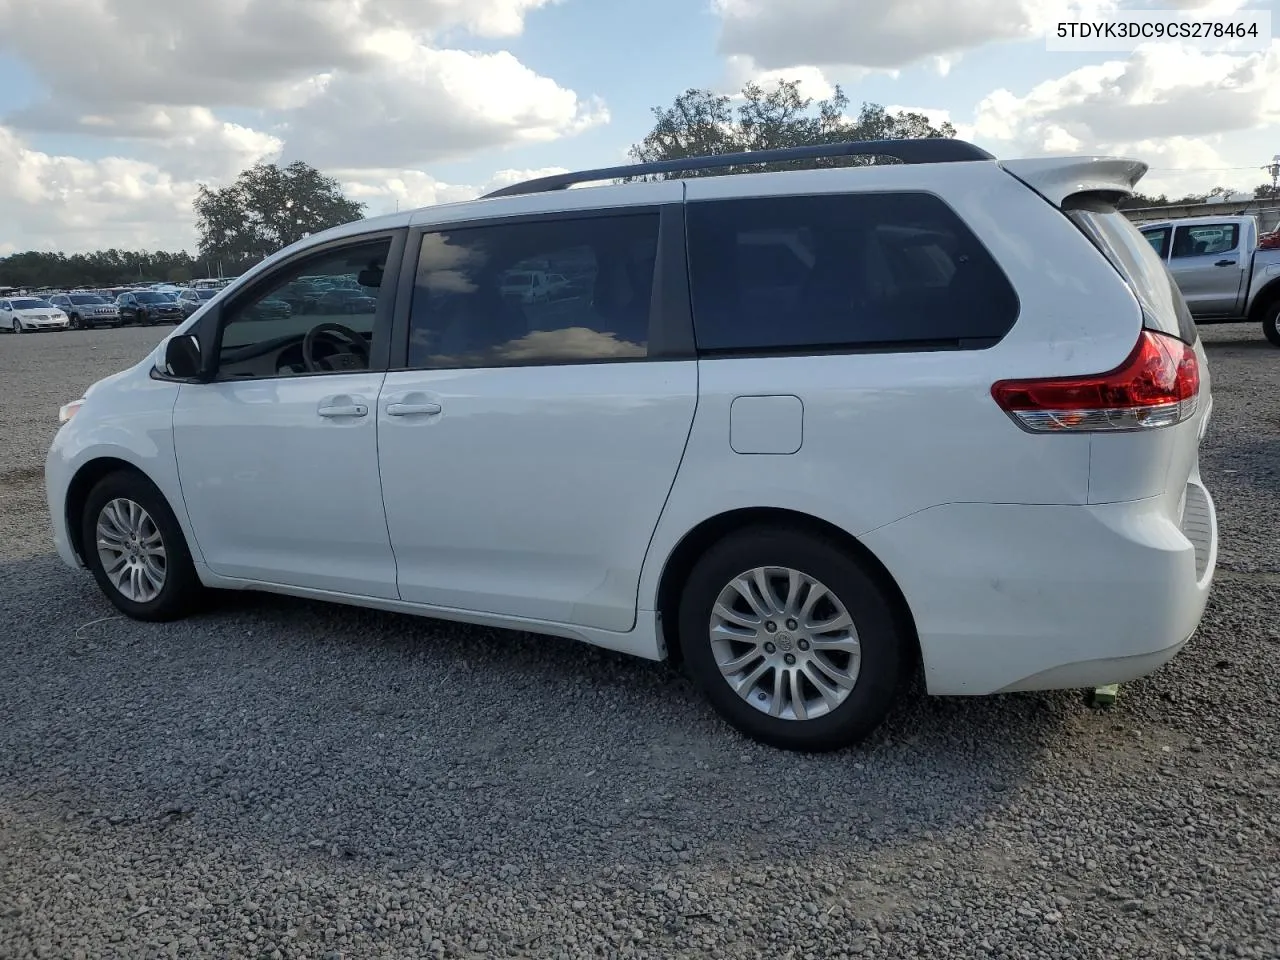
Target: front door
278, 457
528, 449
1209, 267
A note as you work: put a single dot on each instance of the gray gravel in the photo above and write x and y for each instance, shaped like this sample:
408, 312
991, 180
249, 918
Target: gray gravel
280, 778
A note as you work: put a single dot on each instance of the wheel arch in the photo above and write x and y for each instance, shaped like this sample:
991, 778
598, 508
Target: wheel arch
1264, 300
84, 480
713, 529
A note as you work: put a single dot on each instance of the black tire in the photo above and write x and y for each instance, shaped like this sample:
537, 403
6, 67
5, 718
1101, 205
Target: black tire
76, 322
181, 592
882, 643
1271, 323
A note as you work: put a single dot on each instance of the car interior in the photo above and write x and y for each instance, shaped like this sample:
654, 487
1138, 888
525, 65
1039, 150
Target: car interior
311, 335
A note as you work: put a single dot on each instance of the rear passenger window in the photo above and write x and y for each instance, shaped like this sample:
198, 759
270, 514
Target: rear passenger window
540, 292
842, 271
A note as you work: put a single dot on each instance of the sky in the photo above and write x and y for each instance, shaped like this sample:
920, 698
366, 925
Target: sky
114, 112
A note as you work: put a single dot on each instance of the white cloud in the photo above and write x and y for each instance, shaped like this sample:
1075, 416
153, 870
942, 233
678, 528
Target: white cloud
66, 203
385, 191
251, 52
371, 88
878, 34
1160, 93
337, 80
741, 70
422, 104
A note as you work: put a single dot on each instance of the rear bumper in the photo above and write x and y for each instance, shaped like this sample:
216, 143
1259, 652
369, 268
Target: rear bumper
1012, 597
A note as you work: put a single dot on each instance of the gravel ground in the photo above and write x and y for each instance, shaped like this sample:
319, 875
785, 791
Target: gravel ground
280, 778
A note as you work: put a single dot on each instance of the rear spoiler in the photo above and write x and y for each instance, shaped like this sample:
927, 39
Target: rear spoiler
1056, 178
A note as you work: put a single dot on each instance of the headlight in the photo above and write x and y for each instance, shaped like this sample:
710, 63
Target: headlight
68, 410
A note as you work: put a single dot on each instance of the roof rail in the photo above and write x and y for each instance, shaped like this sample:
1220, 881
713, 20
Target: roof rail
920, 150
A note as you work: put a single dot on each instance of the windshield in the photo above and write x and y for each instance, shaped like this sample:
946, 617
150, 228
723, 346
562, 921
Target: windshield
85, 299
206, 294
153, 298
29, 304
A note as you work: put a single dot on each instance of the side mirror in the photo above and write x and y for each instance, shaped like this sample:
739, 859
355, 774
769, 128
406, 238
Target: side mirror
182, 357
370, 277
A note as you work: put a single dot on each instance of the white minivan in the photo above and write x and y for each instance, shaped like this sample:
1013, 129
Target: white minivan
805, 432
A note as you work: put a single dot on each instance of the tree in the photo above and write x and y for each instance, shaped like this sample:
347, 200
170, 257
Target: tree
102, 268
701, 122
268, 208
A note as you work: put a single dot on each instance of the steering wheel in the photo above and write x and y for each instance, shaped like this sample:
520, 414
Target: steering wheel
344, 336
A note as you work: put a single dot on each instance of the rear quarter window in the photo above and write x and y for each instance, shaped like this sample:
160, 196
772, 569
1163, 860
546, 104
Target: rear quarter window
844, 271
1137, 261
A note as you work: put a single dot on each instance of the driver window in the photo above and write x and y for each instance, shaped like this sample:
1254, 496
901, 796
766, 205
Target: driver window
316, 316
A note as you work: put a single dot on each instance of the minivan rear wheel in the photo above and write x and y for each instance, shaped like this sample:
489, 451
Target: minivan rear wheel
791, 640
1271, 323
134, 547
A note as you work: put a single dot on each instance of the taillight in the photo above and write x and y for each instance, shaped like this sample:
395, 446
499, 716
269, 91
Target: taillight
1157, 386
1269, 241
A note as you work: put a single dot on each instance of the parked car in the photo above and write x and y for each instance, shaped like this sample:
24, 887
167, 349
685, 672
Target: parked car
87, 310
270, 308
192, 300
533, 286
303, 296
1226, 272
948, 419
21, 314
149, 307
344, 300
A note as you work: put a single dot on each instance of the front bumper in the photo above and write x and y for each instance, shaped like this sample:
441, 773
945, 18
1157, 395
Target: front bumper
45, 324
57, 480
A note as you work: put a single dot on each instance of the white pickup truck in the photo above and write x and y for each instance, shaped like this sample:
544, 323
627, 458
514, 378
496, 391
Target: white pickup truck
1224, 273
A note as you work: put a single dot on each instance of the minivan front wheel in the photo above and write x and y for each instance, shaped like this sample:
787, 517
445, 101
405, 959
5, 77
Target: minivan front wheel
135, 549
791, 640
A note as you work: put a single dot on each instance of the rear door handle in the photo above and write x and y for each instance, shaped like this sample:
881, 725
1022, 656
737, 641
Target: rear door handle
412, 409
1225, 263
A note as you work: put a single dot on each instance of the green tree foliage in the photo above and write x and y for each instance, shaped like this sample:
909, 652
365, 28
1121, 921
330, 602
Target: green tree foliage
265, 209
103, 268
701, 122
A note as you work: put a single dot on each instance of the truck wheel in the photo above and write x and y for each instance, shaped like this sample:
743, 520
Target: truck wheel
1271, 323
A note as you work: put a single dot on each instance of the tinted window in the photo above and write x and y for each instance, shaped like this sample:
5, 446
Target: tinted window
264, 330
31, 304
1135, 258
553, 291
788, 273
1159, 240
1205, 240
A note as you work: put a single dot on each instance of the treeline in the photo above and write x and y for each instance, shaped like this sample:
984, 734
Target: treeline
1263, 191
103, 268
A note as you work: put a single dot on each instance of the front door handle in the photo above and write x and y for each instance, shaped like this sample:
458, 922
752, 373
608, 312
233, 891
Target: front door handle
340, 407
1225, 263
412, 409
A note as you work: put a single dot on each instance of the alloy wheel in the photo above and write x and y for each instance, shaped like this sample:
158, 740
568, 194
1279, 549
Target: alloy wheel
785, 643
131, 550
